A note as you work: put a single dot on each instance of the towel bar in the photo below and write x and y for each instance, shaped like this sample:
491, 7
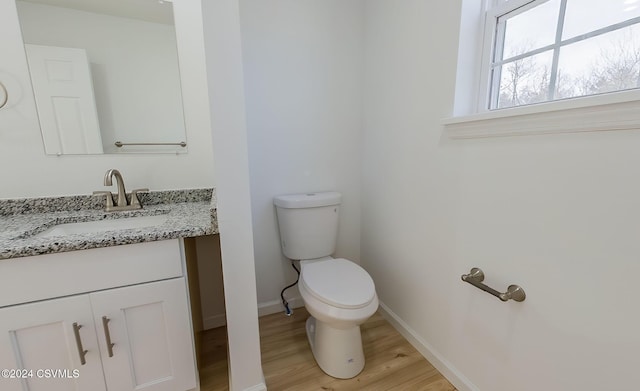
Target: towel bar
475, 278
120, 144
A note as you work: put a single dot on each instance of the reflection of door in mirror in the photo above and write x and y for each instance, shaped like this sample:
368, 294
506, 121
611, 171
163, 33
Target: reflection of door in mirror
64, 96
133, 63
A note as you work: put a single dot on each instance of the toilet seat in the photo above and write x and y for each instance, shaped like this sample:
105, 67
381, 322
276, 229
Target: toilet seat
339, 283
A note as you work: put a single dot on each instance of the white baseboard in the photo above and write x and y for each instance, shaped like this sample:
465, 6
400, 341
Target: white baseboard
275, 306
211, 322
434, 357
267, 308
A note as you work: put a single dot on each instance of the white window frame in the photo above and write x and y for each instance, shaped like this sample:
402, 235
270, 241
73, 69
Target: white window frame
490, 41
618, 110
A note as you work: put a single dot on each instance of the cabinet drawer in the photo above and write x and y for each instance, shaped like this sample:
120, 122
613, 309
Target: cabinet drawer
54, 275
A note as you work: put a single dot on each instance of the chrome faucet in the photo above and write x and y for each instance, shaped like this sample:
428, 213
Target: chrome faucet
121, 202
122, 193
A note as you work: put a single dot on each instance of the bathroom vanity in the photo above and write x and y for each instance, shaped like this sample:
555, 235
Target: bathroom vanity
38, 270
103, 310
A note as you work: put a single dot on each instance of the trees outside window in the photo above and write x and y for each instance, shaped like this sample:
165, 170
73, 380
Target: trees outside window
546, 50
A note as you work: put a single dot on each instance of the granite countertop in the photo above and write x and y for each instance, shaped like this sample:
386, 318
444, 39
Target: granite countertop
188, 213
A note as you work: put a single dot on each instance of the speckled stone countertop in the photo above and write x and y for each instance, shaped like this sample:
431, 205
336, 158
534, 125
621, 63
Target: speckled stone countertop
188, 213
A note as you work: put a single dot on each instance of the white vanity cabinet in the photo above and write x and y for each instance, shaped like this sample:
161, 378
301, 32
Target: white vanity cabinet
19, 112
150, 328
131, 332
41, 336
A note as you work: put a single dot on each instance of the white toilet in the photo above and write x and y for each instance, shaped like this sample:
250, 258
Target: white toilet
339, 294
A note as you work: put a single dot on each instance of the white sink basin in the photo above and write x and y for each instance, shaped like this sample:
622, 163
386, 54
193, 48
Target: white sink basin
102, 226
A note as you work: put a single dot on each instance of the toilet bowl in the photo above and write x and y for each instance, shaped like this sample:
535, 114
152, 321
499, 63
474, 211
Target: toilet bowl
338, 294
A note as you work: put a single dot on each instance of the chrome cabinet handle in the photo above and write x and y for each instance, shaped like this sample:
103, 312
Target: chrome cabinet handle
4, 101
107, 335
81, 351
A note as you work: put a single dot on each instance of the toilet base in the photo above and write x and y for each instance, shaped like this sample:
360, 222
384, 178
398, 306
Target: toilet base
338, 352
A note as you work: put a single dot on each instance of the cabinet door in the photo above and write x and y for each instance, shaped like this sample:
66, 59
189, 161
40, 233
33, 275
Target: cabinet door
50, 335
150, 329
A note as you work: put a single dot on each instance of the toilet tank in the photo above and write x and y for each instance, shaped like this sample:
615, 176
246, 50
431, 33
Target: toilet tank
308, 224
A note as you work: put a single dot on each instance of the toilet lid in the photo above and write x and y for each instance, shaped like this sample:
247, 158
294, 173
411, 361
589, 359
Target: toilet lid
339, 282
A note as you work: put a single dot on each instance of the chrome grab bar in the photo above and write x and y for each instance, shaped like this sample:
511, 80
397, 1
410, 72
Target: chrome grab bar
4, 101
120, 144
475, 278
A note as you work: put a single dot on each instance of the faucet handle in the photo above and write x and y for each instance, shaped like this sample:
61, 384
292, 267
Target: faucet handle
134, 196
109, 197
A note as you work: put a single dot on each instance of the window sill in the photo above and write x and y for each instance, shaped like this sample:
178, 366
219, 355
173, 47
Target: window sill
615, 111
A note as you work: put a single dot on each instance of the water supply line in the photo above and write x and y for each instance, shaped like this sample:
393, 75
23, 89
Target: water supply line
287, 310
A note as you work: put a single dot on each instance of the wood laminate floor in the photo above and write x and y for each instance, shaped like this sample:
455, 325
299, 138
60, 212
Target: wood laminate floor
391, 362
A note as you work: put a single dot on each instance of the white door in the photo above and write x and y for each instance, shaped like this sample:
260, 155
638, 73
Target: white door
50, 335
150, 329
63, 89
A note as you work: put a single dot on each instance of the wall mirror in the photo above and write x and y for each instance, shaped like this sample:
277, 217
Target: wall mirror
105, 75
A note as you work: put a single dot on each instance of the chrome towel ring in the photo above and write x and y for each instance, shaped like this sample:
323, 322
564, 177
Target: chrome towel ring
5, 93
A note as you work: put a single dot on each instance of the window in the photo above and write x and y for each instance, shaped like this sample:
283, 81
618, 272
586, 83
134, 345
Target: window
545, 50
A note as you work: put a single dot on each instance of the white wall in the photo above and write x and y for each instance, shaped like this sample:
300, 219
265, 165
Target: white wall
303, 83
29, 173
227, 105
557, 214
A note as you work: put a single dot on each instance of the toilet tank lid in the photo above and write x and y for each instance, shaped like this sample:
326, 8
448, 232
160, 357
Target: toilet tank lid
308, 200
